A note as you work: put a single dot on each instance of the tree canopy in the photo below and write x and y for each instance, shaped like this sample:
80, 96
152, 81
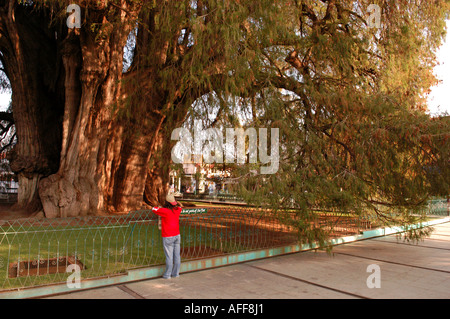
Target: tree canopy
344, 81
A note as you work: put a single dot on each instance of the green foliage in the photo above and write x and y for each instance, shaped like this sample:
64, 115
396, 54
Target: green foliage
349, 99
354, 134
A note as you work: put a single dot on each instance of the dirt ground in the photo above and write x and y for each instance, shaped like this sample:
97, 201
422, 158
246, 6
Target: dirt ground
8, 212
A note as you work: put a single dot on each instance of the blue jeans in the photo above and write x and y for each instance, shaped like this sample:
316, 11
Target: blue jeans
171, 247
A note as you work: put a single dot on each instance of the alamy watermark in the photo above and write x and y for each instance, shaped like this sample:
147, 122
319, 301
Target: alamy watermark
74, 19
74, 279
374, 20
374, 279
209, 144
215, 149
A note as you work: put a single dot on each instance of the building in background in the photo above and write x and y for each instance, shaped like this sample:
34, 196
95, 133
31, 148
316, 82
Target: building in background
198, 177
8, 181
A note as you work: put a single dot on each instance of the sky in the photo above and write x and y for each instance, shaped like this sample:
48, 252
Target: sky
5, 99
438, 100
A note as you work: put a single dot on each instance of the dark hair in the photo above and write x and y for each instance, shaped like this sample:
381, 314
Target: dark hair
170, 206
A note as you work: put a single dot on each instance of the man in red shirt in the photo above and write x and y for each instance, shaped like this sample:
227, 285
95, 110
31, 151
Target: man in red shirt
170, 232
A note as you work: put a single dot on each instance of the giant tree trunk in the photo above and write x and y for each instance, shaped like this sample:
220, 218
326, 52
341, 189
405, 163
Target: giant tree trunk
103, 159
93, 155
105, 154
31, 64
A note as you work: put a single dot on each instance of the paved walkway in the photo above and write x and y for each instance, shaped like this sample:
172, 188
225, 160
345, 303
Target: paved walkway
402, 270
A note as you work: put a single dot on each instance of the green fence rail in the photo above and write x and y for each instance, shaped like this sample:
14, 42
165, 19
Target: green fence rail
229, 198
36, 252
438, 207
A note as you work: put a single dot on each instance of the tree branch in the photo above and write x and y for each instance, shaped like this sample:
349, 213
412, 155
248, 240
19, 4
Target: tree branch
7, 116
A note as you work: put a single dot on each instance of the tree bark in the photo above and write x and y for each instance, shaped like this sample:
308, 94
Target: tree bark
92, 143
157, 180
104, 153
29, 58
91, 138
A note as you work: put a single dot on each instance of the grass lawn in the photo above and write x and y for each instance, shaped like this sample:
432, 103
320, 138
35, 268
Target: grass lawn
111, 245
103, 249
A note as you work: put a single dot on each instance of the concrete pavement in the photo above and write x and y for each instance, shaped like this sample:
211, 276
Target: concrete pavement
400, 269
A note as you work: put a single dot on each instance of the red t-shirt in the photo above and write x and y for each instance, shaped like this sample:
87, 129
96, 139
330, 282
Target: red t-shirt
170, 221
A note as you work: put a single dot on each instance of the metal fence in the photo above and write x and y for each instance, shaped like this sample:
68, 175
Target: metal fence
229, 198
439, 207
36, 252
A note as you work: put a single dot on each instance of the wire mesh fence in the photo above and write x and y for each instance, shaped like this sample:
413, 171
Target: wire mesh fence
36, 252
228, 198
439, 206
